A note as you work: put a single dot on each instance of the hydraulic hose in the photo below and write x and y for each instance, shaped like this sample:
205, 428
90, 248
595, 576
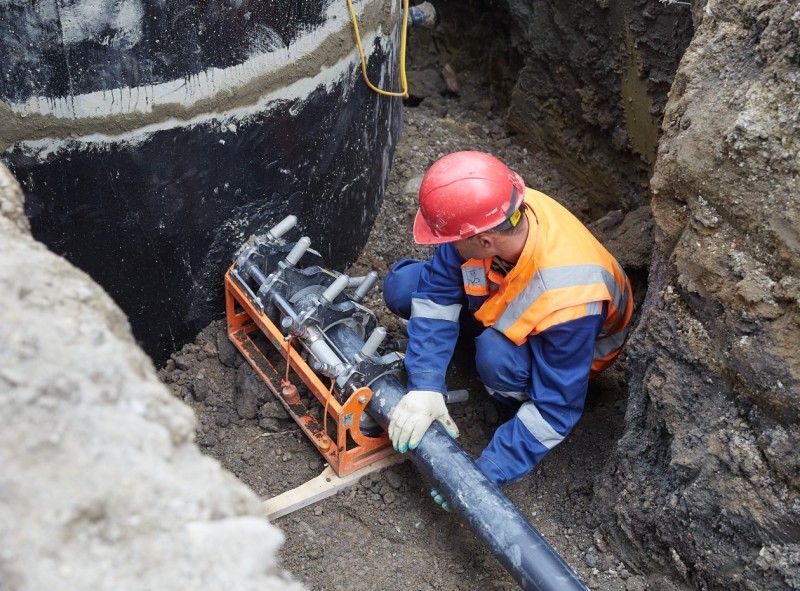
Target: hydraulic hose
530, 560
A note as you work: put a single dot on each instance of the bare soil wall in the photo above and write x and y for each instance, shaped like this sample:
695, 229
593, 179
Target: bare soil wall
708, 462
592, 89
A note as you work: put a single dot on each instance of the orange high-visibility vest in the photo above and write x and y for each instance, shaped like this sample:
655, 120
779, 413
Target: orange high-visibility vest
562, 266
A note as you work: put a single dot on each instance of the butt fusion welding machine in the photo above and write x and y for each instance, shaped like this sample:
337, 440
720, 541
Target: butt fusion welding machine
279, 297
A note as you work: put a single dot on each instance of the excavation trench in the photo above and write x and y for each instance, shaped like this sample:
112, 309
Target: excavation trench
682, 471
388, 518
573, 98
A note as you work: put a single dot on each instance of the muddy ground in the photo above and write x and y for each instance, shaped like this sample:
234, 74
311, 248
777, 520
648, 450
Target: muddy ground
385, 532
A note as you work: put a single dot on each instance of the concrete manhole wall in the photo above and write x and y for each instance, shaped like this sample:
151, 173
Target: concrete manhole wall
152, 138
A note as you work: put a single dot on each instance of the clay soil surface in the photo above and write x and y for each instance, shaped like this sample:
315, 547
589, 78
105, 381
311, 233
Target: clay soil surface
386, 532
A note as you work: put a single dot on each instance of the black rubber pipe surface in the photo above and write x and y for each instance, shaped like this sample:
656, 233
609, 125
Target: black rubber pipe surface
523, 552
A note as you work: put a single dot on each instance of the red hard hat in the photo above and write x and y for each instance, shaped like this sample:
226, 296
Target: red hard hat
463, 194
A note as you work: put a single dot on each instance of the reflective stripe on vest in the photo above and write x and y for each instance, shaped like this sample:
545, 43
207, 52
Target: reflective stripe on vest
550, 279
612, 337
620, 304
603, 347
593, 308
475, 283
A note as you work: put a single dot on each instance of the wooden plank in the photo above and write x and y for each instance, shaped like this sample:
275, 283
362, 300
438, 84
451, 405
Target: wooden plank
321, 487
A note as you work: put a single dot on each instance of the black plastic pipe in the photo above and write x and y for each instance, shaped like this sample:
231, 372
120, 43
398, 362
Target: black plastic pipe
530, 560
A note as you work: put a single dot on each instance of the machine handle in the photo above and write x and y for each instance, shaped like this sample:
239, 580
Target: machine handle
373, 342
286, 224
369, 282
298, 251
335, 288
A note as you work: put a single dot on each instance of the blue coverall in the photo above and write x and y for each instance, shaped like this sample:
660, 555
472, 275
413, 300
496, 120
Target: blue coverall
546, 378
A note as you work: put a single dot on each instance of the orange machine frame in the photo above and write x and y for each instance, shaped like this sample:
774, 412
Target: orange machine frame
342, 457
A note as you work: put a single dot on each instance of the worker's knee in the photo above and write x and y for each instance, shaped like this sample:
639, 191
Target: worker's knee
501, 364
399, 284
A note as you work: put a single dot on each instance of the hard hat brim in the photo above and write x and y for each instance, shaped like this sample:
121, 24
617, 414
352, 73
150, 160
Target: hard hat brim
424, 235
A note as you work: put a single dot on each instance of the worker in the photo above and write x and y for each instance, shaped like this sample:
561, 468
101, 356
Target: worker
550, 306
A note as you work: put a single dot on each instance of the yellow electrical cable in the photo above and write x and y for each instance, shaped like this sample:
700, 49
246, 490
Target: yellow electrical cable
403, 81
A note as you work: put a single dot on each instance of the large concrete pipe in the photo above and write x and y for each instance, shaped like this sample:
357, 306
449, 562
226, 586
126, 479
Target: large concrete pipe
152, 138
529, 559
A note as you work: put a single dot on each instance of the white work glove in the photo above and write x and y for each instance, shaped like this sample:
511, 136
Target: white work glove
414, 414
